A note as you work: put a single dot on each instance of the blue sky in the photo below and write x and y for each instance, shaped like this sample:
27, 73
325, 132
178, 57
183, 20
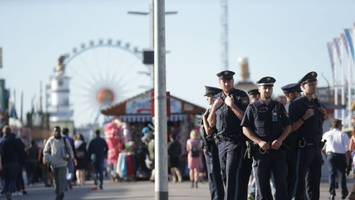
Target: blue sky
284, 39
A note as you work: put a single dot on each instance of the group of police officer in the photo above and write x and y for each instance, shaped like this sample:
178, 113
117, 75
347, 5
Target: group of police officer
280, 144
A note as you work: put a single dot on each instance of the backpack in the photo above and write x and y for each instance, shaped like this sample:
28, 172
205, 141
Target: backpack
195, 151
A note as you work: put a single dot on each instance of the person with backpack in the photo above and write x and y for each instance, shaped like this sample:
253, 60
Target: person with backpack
97, 152
57, 152
193, 148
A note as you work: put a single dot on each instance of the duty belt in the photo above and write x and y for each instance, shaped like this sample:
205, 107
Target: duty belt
221, 137
303, 143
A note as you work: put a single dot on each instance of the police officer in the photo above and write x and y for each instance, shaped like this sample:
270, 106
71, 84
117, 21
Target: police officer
254, 95
226, 114
291, 91
266, 123
307, 116
211, 150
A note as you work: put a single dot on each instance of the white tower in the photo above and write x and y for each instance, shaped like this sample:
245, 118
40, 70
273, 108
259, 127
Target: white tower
59, 107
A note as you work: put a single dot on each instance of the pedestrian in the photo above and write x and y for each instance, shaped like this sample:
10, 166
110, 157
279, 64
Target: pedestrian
174, 153
151, 151
72, 162
11, 154
352, 152
32, 163
57, 152
266, 123
47, 175
20, 183
307, 115
81, 159
210, 150
97, 152
226, 114
193, 148
337, 151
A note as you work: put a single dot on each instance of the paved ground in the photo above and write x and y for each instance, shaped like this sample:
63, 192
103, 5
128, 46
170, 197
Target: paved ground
130, 191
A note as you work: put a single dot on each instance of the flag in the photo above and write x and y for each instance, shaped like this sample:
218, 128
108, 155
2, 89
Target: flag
337, 48
349, 39
12, 111
344, 42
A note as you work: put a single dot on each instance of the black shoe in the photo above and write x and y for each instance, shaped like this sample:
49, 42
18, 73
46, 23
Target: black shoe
24, 192
196, 184
101, 188
192, 184
332, 197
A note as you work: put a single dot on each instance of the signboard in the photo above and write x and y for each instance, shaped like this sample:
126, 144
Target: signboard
139, 105
145, 105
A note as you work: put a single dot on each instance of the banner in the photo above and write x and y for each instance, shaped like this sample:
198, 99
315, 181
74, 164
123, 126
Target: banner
349, 39
337, 48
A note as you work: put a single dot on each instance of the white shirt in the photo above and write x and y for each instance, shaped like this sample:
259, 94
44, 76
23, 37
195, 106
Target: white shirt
336, 141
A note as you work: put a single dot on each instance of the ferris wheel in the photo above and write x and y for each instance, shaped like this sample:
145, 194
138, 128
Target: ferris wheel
104, 72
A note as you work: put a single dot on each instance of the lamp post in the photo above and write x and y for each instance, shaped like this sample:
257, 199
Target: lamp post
149, 50
160, 117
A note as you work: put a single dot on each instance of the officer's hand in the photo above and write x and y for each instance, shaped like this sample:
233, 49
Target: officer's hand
276, 144
229, 101
309, 113
264, 145
217, 103
205, 115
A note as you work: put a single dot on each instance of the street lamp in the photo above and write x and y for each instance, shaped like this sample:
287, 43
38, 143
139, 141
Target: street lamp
148, 54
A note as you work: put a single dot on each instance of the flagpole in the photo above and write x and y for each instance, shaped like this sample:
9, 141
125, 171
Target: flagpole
335, 82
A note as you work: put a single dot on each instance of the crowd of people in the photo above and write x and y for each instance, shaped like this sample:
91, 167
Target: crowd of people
121, 152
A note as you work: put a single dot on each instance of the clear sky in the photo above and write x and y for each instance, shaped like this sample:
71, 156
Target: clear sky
281, 38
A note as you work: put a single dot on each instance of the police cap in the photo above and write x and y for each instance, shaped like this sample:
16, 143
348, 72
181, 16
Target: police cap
210, 91
310, 77
267, 80
253, 92
225, 75
293, 87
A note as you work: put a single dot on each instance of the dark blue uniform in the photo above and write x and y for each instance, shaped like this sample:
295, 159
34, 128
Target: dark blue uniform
231, 146
268, 121
308, 148
212, 164
291, 143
